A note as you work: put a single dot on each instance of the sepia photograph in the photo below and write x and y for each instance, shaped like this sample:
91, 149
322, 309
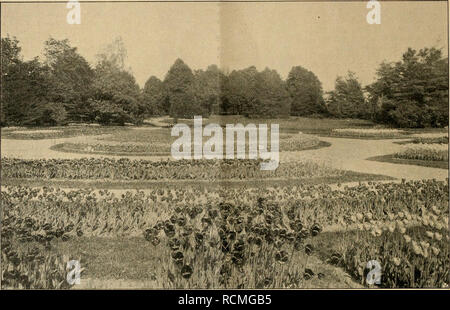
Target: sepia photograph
222, 145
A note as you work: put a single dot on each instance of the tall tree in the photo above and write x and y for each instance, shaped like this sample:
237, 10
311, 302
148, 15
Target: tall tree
239, 91
25, 93
180, 88
413, 92
272, 99
71, 77
347, 99
114, 54
306, 92
10, 53
26, 86
255, 94
10, 57
154, 96
117, 96
208, 88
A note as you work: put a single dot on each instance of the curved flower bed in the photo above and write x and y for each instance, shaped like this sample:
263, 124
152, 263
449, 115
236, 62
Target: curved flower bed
126, 169
369, 132
160, 145
421, 151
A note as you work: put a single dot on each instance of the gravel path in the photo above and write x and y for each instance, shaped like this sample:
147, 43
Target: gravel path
352, 154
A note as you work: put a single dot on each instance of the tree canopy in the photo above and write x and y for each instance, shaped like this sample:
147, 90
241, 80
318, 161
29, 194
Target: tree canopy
306, 92
71, 78
63, 87
154, 97
413, 92
347, 99
26, 86
180, 88
116, 95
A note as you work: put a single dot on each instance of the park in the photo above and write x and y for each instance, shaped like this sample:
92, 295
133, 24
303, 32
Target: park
298, 152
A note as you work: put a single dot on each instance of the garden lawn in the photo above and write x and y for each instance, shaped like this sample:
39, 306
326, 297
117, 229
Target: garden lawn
135, 263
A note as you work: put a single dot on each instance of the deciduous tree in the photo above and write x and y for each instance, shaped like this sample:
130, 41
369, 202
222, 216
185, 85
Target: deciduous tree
306, 92
347, 99
413, 92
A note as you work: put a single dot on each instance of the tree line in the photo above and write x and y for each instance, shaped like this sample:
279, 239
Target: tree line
63, 87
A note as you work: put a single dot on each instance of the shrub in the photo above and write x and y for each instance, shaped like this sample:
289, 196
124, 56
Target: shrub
106, 113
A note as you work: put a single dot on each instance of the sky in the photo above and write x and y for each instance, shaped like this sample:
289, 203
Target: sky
328, 38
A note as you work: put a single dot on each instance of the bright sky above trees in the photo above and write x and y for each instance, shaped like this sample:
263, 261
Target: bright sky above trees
327, 38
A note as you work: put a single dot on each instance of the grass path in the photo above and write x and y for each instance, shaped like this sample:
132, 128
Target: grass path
133, 263
335, 278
